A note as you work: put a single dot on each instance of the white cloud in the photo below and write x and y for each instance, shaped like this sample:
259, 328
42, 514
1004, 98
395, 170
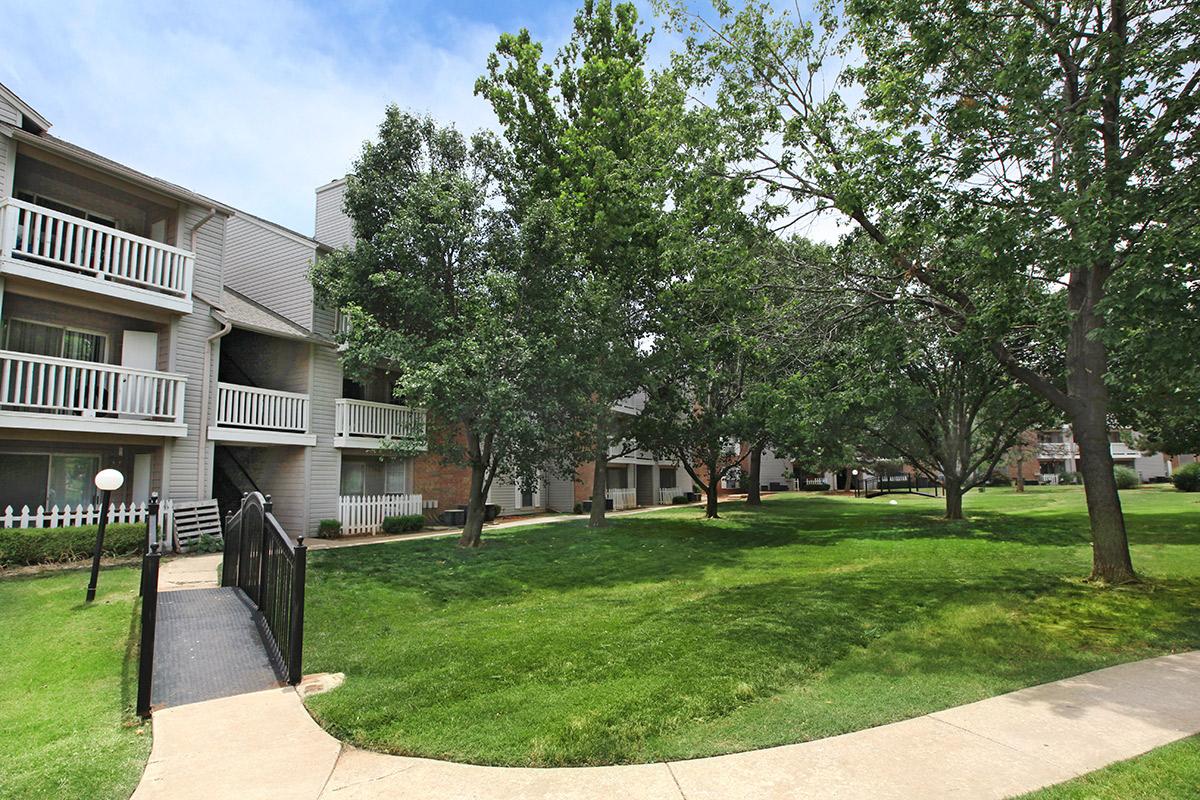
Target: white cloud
252, 103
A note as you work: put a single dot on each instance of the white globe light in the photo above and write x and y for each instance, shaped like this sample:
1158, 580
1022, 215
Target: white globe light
892, 503
109, 480
853, 472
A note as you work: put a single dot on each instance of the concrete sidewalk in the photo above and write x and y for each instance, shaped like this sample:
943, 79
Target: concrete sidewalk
264, 745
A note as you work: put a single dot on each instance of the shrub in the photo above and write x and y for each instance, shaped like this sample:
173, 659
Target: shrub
578, 509
814, 487
20, 546
207, 544
329, 528
999, 479
679, 500
1126, 478
1187, 477
1070, 478
405, 523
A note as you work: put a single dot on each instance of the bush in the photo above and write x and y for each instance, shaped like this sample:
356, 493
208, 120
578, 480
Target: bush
999, 479
405, 523
19, 546
814, 487
679, 500
1126, 478
207, 544
578, 509
329, 528
1070, 478
1187, 477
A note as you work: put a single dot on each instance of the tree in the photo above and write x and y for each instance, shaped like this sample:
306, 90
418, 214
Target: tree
950, 414
1008, 154
587, 133
443, 288
1024, 451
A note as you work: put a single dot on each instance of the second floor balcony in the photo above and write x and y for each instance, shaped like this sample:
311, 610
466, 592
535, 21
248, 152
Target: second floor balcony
250, 415
63, 394
367, 425
50, 246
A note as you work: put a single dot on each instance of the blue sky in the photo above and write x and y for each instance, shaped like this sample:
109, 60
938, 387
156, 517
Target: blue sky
254, 102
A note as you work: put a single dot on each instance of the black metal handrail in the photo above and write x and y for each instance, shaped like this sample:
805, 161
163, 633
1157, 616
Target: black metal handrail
261, 560
149, 594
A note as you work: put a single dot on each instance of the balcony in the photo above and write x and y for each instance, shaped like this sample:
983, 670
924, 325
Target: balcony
63, 394
367, 425
49, 246
249, 415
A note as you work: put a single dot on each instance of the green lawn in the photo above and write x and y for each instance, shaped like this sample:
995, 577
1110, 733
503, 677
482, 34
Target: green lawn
68, 682
666, 636
1171, 771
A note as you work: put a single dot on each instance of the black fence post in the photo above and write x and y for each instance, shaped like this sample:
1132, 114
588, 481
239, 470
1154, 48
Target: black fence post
263, 551
150, 562
296, 635
231, 551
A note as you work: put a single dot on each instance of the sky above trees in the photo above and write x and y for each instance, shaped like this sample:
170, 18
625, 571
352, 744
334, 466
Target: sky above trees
257, 102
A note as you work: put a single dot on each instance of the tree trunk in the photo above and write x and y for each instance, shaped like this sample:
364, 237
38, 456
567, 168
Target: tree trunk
754, 490
472, 535
1110, 545
597, 519
1020, 480
1087, 364
954, 496
711, 499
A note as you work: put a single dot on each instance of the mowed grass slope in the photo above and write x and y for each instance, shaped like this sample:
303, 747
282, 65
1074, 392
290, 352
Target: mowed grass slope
666, 636
68, 684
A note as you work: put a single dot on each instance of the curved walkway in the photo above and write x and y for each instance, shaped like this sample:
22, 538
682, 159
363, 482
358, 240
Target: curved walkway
265, 745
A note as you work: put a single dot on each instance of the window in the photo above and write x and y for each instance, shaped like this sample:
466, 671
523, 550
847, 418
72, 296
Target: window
617, 478
39, 339
65, 208
395, 476
40, 479
71, 480
354, 478
667, 478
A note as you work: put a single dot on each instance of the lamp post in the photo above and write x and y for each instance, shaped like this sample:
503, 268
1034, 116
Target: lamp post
107, 481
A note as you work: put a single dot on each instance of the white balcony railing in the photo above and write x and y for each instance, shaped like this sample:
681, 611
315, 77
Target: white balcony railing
63, 386
622, 498
36, 234
364, 514
667, 497
366, 420
261, 409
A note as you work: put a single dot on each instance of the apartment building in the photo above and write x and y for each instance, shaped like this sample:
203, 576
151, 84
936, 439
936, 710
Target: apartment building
149, 328
108, 278
1058, 455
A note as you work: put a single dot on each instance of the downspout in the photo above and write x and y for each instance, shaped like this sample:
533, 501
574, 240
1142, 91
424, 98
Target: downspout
226, 326
206, 393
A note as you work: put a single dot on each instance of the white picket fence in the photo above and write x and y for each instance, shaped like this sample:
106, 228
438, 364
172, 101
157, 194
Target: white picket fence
622, 498
67, 516
364, 514
667, 497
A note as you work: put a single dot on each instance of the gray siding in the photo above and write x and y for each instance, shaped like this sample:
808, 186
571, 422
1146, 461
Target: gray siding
560, 494
333, 227
189, 473
271, 268
7, 156
324, 461
9, 113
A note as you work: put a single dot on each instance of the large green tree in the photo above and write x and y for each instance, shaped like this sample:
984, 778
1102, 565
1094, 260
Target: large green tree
443, 288
589, 136
1005, 155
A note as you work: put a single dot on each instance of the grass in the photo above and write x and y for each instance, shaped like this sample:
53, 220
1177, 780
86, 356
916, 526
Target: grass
1171, 771
68, 682
666, 636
